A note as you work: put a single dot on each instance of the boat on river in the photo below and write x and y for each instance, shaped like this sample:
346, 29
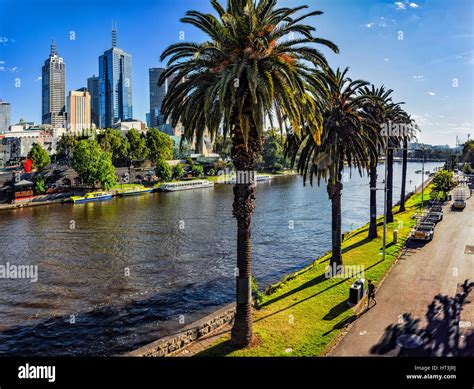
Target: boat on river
92, 197
185, 185
134, 191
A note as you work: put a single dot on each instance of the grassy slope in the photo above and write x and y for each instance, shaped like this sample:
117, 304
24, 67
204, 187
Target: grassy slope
307, 311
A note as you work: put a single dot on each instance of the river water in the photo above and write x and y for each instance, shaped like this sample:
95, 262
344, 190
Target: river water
113, 276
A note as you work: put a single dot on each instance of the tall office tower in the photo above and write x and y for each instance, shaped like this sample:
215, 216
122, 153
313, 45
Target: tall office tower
157, 95
5, 116
93, 88
79, 110
115, 85
54, 90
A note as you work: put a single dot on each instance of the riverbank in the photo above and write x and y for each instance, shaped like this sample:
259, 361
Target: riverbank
306, 312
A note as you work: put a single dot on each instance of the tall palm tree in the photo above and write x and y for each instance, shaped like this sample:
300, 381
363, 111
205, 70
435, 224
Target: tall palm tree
397, 116
409, 135
258, 59
348, 137
376, 107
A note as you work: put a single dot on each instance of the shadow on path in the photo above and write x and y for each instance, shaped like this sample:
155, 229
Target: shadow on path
442, 335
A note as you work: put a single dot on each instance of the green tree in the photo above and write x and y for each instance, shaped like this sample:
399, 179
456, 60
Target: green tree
163, 170
273, 152
198, 170
181, 150
254, 63
160, 145
113, 142
347, 138
137, 149
39, 157
39, 185
93, 164
443, 182
178, 171
468, 152
65, 147
223, 147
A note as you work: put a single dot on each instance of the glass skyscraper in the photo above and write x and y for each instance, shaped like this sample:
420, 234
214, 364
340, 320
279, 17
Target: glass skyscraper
115, 85
54, 90
93, 88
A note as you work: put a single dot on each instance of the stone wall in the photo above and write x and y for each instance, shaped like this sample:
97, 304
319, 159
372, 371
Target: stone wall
189, 334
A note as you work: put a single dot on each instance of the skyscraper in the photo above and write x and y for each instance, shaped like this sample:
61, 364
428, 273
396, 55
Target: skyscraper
115, 85
157, 95
79, 110
54, 90
5, 116
93, 88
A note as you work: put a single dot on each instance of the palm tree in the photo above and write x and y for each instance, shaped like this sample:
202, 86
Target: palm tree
258, 59
348, 137
396, 115
376, 108
407, 136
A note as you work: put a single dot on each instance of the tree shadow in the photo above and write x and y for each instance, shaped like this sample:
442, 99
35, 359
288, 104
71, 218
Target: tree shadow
440, 337
336, 310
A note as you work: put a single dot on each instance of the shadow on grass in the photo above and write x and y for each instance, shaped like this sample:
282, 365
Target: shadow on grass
304, 286
441, 337
356, 245
337, 310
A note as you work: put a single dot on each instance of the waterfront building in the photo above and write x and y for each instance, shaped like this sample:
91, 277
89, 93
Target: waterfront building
79, 110
93, 89
5, 116
54, 90
115, 85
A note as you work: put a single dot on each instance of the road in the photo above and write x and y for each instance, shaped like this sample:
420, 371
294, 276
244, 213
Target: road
423, 271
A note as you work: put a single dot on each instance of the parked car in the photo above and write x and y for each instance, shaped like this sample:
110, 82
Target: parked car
434, 217
436, 208
459, 204
423, 231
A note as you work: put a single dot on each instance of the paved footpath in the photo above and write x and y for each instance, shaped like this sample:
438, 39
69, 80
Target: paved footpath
423, 271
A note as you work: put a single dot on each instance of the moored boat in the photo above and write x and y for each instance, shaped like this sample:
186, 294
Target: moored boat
185, 185
92, 196
134, 191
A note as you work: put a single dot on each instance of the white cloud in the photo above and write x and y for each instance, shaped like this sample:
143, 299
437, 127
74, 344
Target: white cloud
369, 25
39, 78
2, 62
14, 69
400, 5
418, 77
414, 5
2, 68
3, 39
386, 59
431, 93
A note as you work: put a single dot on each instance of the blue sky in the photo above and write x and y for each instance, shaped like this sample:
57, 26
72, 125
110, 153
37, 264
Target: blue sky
431, 68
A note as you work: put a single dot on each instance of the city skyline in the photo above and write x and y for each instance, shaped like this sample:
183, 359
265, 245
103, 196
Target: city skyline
429, 69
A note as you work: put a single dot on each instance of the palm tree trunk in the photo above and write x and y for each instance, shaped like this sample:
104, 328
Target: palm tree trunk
389, 166
335, 193
373, 200
404, 174
244, 158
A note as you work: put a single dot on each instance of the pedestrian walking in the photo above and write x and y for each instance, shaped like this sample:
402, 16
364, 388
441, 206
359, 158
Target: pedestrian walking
371, 293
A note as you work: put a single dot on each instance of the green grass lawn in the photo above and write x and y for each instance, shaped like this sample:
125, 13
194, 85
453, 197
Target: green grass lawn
307, 310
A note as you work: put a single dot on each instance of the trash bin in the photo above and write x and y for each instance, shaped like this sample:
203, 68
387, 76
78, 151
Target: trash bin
361, 281
395, 236
355, 293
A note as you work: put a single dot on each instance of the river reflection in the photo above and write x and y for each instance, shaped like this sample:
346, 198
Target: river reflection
118, 274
